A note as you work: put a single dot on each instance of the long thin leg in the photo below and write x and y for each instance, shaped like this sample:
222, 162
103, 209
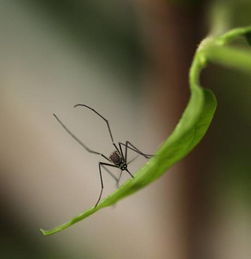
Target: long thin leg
125, 155
130, 161
126, 147
137, 150
111, 174
133, 148
77, 139
129, 173
117, 184
102, 117
122, 153
101, 165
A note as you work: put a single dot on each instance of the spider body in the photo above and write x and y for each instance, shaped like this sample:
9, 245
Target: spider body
117, 159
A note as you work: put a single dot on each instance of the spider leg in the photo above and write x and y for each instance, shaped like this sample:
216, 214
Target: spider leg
124, 156
121, 175
117, 184
103, 118
111, 174
122, 153
77, 139
129, 173
101, 165
129, 162
133, 148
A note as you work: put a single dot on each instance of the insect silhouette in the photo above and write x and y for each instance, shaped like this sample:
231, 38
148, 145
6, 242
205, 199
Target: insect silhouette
118, 157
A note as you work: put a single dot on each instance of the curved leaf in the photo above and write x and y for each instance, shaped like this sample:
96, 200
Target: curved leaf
191, 128
188, 132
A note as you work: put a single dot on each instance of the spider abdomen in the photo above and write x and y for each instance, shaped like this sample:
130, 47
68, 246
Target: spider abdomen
116, 158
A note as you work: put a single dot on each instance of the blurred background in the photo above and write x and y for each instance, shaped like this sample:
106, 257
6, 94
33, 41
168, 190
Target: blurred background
129, 60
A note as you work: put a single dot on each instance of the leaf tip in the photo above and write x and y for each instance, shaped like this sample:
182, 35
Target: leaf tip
43, 232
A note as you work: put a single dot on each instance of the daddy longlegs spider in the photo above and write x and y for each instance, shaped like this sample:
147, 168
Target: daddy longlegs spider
117, 159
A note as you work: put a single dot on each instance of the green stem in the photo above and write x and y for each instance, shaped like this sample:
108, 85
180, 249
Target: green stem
229, 56
199, 62
232, 35
196, 67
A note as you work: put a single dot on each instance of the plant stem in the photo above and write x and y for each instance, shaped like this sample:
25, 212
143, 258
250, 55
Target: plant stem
229, 56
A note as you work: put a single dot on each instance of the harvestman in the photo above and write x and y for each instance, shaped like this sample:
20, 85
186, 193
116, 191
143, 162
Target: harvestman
117, 159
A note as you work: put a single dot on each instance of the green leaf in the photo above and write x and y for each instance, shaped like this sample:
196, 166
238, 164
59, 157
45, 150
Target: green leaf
191, 127
189, 131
